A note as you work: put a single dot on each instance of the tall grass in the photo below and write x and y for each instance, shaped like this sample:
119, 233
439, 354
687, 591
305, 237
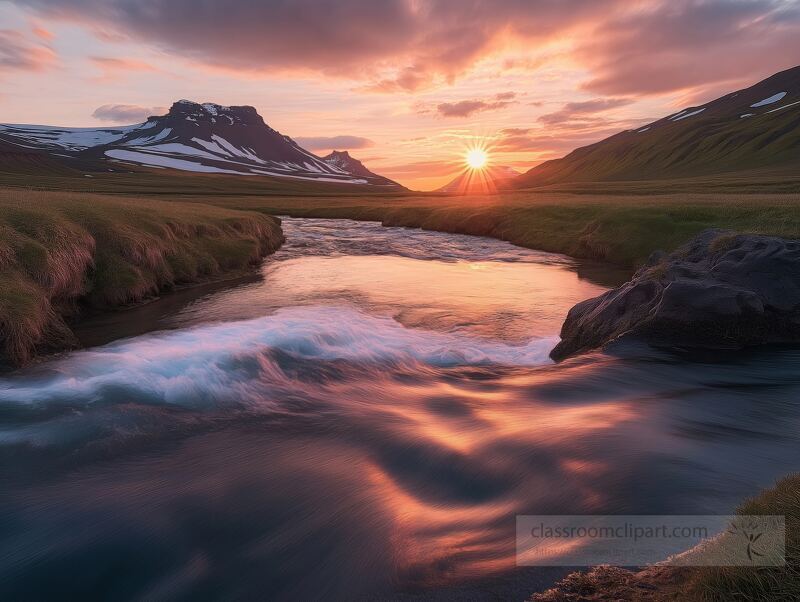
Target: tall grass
59, 251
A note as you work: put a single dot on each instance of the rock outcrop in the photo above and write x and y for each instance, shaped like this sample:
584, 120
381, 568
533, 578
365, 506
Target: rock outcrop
721, 290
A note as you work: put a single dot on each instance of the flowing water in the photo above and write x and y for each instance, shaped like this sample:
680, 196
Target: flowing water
364, 421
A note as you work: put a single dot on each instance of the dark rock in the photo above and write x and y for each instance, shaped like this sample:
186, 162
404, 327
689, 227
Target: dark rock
721, 290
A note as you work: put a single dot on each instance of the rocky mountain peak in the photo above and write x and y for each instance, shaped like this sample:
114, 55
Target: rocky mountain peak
212, 112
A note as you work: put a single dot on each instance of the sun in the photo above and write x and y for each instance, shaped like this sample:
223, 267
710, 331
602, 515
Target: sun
477, 158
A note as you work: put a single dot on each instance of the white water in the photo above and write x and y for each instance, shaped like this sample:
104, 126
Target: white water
364, 421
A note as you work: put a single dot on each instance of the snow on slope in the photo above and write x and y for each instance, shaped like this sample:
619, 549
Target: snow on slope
768, 101
163, 161
68, 139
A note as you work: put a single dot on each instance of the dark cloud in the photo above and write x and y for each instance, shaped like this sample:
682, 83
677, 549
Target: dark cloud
18, 52
628, 48
334, 142
415, 40
682, 44
582, 110
126, 113
465, 108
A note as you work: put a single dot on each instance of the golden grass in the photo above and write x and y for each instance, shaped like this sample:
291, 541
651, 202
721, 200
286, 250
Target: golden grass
59, 250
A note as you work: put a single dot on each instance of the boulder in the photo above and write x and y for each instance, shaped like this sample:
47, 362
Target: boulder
721, 290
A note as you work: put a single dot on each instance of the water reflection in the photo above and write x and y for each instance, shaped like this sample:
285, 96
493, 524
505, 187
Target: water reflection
422, 279
316, 442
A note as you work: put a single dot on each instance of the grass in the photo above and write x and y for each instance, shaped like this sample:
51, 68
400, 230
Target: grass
768, 583
701, 584
59, 251
619, 222
622, 229
69, 246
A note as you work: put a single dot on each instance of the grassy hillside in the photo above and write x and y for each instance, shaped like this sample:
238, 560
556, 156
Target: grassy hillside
733, 133
61, 250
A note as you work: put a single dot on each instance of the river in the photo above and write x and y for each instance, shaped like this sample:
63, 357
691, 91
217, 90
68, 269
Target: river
364, 420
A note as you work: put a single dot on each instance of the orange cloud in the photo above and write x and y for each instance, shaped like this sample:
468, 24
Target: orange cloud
42, 33
17, 52
113, 67
465, 108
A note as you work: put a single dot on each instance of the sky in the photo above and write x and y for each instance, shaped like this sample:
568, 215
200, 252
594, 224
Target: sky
407, 86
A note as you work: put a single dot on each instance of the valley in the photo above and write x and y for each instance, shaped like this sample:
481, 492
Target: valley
243, 364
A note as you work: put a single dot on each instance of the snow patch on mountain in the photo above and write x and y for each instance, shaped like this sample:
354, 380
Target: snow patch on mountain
152, 160
71, 139
163, 134
684, 115
769, 100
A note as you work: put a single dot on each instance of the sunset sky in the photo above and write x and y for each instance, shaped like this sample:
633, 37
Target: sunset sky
405, 85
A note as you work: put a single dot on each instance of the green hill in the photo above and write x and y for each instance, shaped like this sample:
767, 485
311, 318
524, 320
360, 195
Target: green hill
751, 129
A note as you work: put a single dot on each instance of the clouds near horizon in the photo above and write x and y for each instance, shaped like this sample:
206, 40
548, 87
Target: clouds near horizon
126, 114
582, 110
344, 142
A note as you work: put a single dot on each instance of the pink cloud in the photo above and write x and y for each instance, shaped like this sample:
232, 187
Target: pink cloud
113, 68
17, 52
42, 33
583, 111
467, 108
342, 142
122, 113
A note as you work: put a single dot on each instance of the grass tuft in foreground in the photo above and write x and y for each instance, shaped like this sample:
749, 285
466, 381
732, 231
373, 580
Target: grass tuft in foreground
768, 583
61, 250
702, 584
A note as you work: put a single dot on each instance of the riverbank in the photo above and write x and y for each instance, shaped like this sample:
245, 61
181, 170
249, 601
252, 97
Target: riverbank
661, 583
63, 251
393, 380
67, 249
618, 228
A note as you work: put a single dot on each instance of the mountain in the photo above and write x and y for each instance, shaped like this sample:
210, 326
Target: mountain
342, 160
474, 181
193, 137
758, 127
